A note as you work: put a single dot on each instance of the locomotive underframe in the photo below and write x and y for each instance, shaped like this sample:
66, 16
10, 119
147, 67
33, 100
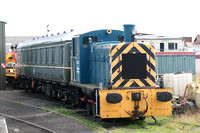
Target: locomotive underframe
57, 90
134, 102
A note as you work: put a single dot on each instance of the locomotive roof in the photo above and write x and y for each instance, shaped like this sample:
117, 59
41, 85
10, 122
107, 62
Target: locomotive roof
49, 39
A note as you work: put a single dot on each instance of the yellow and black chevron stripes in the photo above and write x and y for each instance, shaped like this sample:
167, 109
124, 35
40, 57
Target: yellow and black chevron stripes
116, 52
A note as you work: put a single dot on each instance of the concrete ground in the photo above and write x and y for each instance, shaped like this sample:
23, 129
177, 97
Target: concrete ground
49, 120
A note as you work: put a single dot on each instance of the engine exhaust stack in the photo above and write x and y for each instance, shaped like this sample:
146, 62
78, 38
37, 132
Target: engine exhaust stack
128, 29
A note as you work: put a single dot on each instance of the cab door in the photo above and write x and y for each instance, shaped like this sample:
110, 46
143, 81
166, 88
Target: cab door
76, 60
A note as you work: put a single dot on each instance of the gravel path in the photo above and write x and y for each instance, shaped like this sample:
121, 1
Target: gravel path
54, 122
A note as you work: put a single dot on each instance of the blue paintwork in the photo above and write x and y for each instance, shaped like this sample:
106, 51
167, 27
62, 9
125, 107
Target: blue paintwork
128, 28
91, 63
100, 64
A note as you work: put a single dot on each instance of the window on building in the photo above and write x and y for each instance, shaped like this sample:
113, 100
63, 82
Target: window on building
172, 46
162, 47
176, 46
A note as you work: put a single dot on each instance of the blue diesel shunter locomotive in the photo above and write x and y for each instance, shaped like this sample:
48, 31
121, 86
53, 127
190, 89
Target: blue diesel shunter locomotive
104, 71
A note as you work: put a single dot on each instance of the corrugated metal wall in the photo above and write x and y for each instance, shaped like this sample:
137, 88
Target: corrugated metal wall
175, 63
197, 61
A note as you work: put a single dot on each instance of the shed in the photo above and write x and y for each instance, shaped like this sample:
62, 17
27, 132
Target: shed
172, 62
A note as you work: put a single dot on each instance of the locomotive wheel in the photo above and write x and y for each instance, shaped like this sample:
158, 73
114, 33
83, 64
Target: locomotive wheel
33, 90
89, 108
93, 110
66, 99
60, 96
22, 85
14, 85
47, 92
53, 93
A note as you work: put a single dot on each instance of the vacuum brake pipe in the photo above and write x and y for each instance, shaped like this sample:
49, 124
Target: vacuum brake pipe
185, 92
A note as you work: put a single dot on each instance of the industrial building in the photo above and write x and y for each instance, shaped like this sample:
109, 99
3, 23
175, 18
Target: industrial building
174, 54
164, 43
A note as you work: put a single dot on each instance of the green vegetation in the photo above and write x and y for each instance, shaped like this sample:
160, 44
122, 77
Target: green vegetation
64, 111
173, 124
72, 114
189, 122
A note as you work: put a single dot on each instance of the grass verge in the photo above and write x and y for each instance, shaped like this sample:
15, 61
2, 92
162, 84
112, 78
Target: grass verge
173, 124
189, 122
73, 114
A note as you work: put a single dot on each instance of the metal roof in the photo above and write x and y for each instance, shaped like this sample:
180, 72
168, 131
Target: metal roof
48, 39
154, 37
197, 39
18, 39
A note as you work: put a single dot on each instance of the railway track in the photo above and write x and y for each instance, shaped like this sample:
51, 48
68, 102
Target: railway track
27, 97
46, 110
29, 123
55, 112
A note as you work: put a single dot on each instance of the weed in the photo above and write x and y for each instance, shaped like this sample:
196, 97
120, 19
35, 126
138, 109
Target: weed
64, 111
189, 122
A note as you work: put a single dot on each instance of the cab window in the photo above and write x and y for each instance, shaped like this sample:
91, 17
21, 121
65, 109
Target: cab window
88, 39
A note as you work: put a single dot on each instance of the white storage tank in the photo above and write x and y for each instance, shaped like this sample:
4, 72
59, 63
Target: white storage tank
197, 99
168, 78
197, 61
177, 82
175, 85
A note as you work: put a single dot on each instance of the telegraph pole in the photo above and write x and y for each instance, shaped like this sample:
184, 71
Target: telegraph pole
2, 56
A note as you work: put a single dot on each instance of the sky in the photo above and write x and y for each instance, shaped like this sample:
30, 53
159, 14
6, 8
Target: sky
160, 17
